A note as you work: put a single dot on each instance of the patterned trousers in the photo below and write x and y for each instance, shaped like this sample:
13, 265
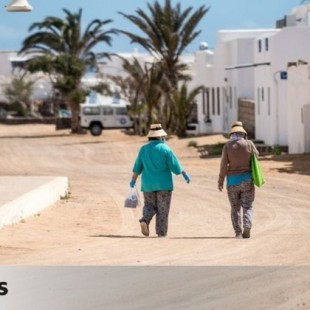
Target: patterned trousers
241, 195
157, 203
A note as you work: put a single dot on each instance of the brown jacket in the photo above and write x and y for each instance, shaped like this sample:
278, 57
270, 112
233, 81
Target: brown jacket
236, 158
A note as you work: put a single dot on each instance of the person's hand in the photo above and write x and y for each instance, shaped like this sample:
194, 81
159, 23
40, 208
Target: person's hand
132, 183
186, 177
220, 187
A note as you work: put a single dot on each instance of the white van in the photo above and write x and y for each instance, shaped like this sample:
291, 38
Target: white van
104, 113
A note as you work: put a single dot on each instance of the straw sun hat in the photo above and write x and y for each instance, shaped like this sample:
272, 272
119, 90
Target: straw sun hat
156, 131
237, 127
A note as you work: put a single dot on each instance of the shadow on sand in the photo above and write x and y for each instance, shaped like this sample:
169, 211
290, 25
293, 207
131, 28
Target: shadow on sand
143, 237
35, 136
297, 163
121, 236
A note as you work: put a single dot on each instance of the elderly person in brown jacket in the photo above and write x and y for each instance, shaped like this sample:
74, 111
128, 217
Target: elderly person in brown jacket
236, 167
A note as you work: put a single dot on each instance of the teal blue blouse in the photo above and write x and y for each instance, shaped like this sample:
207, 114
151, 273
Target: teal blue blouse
156, 162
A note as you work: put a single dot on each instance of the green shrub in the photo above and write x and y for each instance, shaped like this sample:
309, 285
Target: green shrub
276, 150
192, 143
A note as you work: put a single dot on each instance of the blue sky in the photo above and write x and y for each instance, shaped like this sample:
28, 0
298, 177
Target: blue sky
223, 14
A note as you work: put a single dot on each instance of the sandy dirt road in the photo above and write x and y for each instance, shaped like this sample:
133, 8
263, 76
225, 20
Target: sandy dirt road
92, 227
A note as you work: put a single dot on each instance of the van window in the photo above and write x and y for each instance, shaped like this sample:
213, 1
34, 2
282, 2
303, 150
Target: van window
91, 111
107, 111
121, 111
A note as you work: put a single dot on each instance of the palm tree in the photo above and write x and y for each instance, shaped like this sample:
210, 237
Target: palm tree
64, 51
148, 82
167, 31
143, 89
183, 102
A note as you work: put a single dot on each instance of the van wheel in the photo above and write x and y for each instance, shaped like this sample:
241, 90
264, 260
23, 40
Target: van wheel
96, 129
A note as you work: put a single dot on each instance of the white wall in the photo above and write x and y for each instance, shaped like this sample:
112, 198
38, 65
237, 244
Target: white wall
288, 45
298, 95
202, 72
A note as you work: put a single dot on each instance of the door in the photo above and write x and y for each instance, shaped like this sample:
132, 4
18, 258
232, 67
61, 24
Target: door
121, 117
306, 119
108, 119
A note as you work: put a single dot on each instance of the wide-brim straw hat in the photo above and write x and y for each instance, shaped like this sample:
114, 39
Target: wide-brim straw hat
156, 131
237, 127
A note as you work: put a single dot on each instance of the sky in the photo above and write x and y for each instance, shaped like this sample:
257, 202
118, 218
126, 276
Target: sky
223, 14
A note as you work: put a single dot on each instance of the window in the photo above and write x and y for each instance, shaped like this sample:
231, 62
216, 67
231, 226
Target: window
213, 101
259, 46
121, 111
230, 97
107, 111
91, 111
193, 117
267, 44
218, 95
203, 93
263, 94
208, 103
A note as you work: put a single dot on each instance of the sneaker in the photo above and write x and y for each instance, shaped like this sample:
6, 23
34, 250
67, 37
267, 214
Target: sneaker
238, 236
144, 228
246, 232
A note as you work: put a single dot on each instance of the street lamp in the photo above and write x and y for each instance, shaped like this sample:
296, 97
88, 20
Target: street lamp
19, 6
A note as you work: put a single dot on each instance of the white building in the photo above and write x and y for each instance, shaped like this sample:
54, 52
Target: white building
253, 65
288, 46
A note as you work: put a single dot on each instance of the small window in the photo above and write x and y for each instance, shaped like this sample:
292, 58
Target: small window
218, 95
203, 102
91, 111
121, 111
107, 111
267, 44
213, 101
259, 46
208, 102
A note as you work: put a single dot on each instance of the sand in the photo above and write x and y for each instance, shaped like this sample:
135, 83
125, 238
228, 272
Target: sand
92, 228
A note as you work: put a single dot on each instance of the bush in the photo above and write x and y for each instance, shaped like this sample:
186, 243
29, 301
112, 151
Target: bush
192, 143
276, 150
18, 108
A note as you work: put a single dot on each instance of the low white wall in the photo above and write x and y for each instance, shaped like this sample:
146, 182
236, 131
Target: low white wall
33, 201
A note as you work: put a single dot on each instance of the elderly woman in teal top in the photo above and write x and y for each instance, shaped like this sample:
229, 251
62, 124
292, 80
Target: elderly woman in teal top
156, 162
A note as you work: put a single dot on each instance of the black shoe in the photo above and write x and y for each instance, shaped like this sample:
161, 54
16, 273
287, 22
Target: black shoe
246, 232
144, 228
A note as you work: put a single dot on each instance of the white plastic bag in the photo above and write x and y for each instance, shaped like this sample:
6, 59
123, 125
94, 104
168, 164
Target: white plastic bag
132, 200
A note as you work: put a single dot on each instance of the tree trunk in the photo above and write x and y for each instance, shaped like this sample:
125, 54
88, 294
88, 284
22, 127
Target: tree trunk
75, 119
